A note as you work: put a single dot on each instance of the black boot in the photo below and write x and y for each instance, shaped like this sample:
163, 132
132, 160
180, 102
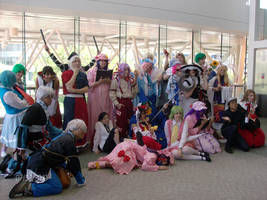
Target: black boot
203, 153
139, 138
206, 158
228, 149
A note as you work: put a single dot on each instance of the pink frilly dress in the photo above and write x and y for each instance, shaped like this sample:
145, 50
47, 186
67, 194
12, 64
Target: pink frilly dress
98, 102
128, 155
206, 142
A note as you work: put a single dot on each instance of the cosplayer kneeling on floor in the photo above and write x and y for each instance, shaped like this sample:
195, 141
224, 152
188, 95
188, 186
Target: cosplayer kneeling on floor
253, 135
234, 121
34, 131
41, 178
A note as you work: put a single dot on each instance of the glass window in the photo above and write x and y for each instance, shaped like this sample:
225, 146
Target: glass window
106, 33
11, 39
180, 41
142, 40
261, 72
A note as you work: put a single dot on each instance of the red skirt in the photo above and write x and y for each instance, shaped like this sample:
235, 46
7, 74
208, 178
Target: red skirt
123, 116
254, 138
56, 119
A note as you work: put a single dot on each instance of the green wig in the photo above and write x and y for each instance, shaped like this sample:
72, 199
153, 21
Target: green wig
199, 57
19, 67
175, 110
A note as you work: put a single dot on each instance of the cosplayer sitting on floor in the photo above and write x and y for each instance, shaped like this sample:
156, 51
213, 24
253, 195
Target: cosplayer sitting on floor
41, 178
106, 137
172, 125
188, 133
234, 121
196, 117
253, 135
143, 128
129, 154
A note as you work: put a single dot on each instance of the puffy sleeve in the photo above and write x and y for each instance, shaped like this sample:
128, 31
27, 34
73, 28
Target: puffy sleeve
13, 100
113, 91
97, 137
91, 77
184, 135
66, 76
149, 163
166, 130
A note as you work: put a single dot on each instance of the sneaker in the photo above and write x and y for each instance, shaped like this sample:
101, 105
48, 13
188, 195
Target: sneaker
3, 153
21, 188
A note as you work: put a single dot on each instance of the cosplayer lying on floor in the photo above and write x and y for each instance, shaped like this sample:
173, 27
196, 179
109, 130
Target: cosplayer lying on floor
129, 154
41, 178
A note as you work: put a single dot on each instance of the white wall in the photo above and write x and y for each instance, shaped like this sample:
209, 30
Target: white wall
221, 15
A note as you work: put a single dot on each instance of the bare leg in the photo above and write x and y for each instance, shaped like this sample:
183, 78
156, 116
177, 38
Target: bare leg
117, 137
98, 165
188, 154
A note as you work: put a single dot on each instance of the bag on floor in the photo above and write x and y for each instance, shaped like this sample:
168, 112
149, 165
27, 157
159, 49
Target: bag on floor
63, 176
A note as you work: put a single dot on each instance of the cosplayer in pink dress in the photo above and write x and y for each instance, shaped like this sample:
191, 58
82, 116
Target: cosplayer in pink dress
180, 137
194, 119
128, 155
98, 95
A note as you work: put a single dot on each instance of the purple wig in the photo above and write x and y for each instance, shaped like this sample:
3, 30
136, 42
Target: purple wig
198, 113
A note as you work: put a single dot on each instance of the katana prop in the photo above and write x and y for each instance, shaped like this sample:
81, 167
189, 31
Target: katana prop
164, 104
98, 52
43, 36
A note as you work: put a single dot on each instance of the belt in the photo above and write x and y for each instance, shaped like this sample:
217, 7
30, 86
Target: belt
74, 95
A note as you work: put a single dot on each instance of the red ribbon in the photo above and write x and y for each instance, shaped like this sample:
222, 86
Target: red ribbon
121, 153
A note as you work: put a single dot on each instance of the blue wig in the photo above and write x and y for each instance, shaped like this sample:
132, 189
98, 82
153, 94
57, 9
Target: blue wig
8, 78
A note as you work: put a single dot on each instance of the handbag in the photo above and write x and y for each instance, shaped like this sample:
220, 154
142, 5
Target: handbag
63, 177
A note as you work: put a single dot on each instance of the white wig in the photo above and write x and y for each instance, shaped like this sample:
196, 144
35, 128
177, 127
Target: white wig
71, 60
76, 124
44, 91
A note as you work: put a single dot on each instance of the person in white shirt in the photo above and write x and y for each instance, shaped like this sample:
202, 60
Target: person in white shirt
106, 137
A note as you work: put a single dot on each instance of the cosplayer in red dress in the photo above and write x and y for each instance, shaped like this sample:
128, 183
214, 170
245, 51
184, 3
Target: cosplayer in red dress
253, 135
